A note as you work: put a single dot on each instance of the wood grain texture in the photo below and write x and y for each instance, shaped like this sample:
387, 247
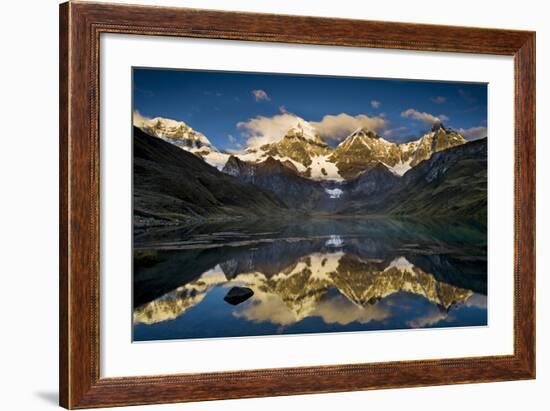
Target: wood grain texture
80, 27
63, 204
525, 202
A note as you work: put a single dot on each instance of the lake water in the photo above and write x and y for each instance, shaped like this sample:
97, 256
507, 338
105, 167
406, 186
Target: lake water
309, 276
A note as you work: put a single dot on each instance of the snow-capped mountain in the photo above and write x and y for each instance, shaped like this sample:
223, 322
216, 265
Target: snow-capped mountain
299, 144
175, 132
304, 151
183, 136
362, 150
302, 147
438, 139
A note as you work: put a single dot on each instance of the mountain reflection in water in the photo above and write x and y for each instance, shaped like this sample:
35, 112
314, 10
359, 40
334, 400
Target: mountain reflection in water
323, 276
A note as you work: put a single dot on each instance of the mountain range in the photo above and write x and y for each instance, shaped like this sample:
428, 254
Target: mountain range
302, 149
180, 175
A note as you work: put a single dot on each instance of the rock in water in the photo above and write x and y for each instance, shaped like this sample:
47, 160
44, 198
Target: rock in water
238, 295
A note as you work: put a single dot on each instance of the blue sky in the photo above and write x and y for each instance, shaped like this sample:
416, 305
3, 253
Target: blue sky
237, 109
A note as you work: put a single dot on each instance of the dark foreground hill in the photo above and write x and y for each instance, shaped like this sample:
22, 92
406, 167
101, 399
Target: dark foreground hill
172, 184
296, 191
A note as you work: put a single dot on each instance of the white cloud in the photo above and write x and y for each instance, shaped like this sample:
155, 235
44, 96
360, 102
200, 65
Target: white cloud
423, 116
375, 103
260, 95
235, 151
282, 109
338, 127
438, 99
265, 130
473, 133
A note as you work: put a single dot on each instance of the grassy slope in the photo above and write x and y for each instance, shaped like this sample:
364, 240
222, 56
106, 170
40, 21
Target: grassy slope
172, 184
451, 183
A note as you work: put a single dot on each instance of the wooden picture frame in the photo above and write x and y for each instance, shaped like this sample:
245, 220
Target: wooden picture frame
80, 27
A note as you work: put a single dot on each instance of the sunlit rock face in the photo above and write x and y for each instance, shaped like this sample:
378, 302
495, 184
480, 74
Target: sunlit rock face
175, 132
336, 286
300, 144
183, 136
439, 139
304, 152
362, 150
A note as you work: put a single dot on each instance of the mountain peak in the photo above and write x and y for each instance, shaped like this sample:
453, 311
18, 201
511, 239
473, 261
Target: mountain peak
362, 136
362, 150
364, 131
175, 132
438, 126
304, 130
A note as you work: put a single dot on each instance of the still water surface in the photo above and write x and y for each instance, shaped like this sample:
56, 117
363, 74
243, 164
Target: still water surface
310, 276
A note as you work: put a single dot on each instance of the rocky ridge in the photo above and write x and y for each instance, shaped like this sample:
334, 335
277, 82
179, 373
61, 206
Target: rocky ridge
302, 149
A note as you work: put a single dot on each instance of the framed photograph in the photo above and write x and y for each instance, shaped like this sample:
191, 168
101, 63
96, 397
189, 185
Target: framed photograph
259, 205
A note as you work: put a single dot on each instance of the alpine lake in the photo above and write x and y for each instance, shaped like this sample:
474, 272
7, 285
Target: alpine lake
310, 276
